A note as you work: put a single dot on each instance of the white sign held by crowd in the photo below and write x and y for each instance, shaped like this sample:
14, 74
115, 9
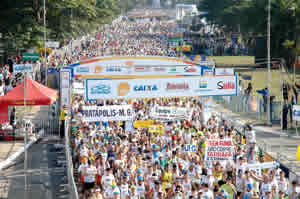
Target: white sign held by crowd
107, 113
219, 150
296, 113
171, 113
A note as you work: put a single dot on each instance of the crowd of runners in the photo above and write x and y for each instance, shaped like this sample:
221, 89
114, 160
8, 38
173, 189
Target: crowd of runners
116, 160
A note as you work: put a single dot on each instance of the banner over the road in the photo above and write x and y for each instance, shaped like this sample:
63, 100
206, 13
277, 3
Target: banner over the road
171, 113
135, 66
107, 113
167, 87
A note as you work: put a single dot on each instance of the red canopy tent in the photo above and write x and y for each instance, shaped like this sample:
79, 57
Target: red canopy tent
36, 94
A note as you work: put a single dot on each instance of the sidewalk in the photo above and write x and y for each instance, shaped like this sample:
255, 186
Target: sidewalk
7, 148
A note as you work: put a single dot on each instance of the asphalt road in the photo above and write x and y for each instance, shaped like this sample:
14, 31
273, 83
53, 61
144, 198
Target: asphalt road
46, 177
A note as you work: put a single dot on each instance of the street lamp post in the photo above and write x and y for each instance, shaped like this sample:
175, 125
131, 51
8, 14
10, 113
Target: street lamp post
25, 140
269, 62
45, 38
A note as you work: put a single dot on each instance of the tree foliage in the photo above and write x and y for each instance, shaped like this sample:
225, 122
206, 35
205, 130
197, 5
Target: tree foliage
251, 17
21, 21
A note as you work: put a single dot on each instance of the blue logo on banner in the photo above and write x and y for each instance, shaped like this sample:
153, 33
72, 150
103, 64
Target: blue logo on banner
100, 89
190, 148
82, 70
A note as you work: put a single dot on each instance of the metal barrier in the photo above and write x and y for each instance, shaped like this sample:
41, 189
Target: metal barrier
252, 107
72, 185
51, 126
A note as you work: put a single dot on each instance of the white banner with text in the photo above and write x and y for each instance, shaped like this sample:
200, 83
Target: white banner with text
171, 113
219, 150
107, 113
167, 87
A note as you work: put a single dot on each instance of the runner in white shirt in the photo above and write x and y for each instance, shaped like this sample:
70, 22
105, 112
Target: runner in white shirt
89, 174
108, 179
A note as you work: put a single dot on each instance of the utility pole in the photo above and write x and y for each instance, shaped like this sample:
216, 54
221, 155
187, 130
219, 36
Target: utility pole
269, 62
45, 39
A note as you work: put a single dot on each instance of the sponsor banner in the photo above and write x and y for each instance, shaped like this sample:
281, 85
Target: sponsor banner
171, 113
207, 63
167, 87
65, 88
296, 112
143, 123
107, 113
219, 150
78, 88
157, 129
140, 70
224, 71
23, 68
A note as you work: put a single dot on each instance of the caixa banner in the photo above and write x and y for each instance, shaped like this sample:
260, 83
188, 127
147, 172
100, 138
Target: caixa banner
167, 87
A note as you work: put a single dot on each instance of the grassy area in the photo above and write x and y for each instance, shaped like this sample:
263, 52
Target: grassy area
260, 79
232, 60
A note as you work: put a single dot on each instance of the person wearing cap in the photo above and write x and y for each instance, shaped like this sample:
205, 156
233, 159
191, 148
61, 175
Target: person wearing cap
115, 191
249, 192
140, 187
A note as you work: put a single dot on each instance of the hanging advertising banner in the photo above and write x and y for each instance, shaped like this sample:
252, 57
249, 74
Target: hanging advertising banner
224, 71
78, 88
143, 123
219, 150
107, 113
144, 70
296, 112
65, 88
23, 68
171, 113
135, 66
167, 87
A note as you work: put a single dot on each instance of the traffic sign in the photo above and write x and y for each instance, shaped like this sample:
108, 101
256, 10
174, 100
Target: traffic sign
52, 44
30, 56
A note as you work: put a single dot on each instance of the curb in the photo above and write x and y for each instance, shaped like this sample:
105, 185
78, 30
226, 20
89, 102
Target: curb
14, 156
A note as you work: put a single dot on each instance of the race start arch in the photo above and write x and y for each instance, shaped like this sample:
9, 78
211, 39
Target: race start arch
135, 67
149, 77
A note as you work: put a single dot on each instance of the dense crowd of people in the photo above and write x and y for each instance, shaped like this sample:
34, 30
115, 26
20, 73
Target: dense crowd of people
118, 163
115, 160
224, 46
